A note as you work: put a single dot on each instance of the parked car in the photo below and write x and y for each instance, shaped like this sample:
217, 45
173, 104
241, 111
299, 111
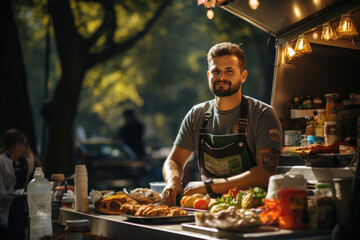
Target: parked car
105, 149
110, 165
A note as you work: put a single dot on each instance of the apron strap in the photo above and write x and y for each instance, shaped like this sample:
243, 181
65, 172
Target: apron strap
243, 120
206, 119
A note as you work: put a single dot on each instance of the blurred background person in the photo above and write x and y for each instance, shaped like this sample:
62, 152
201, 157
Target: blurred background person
17, 164
132, 133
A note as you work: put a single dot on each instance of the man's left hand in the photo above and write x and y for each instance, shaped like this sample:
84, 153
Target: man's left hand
195, 187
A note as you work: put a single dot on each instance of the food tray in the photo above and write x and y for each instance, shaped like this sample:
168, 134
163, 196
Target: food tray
160, 220
327, 160
194, 210
214, 232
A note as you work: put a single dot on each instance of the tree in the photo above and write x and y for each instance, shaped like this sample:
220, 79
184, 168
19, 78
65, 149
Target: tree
15, 107
77, 55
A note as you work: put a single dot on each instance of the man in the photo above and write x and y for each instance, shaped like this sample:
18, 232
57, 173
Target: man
131, 133
237, 138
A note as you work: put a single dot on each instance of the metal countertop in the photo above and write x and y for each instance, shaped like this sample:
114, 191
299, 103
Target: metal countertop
118, 227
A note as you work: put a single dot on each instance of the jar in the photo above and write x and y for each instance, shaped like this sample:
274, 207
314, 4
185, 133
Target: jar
325, 201
68, 201
313, 212
330, 132
77, 229
342, 198
293, 208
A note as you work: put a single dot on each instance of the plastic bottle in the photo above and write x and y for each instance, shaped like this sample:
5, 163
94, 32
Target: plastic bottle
325, 200
39, 202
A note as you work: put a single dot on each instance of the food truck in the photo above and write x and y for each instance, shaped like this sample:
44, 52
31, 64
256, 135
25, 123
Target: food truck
316, 64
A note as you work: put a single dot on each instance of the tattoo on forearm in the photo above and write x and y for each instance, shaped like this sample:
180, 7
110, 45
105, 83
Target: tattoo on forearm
269, 159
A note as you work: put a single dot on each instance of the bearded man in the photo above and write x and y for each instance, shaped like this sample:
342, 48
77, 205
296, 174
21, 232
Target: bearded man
237, 138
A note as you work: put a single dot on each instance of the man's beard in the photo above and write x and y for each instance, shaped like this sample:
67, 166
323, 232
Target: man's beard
225, 92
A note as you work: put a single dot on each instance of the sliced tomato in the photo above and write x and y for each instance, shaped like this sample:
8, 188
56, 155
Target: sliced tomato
233, 192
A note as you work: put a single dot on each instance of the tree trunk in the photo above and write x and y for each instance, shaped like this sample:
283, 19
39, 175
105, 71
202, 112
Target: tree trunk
76, 59
15, 106
62, 111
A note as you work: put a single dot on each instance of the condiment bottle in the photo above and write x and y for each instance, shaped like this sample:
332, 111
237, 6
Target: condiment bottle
77, 229
330, 110
319, 123
326, 206
310, 126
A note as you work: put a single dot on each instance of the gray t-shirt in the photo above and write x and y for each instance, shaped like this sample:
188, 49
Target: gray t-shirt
264, 130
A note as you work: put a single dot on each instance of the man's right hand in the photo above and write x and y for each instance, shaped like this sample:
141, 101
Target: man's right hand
172, 189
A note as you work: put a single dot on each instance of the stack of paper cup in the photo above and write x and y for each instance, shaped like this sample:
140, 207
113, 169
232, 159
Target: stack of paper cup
81, 189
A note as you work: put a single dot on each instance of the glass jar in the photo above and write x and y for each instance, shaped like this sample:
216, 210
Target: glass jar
325, 201
330, 132
68, 201
78, 229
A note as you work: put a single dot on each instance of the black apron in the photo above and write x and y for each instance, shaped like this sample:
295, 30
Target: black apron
225, 155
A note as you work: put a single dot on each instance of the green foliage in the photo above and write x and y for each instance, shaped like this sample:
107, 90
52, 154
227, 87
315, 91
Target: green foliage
162, 76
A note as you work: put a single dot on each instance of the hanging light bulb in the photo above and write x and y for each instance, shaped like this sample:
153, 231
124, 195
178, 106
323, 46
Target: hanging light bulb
210, 13
254, 4
289, 52
347, 27
327, 32
302, 45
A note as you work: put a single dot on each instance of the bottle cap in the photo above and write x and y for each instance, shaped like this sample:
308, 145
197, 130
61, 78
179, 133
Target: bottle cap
323, 185
78, 222
58, 177
38, 173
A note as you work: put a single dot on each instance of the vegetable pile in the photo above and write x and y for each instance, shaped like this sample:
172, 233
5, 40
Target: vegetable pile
251, 198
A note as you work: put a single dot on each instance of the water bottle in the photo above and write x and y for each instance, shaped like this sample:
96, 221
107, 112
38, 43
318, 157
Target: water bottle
39, 202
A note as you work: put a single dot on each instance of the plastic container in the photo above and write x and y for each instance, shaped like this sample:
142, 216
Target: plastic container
283, 181
39, 202
325, 201
293, 209
77, 229
157, 187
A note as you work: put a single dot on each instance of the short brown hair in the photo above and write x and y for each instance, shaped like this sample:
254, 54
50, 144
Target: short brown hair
227, 48
11, 137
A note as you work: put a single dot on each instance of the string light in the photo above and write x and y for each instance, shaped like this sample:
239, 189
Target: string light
210, 13
254, 4
327, 32
346, 27
302, 45
289, 52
